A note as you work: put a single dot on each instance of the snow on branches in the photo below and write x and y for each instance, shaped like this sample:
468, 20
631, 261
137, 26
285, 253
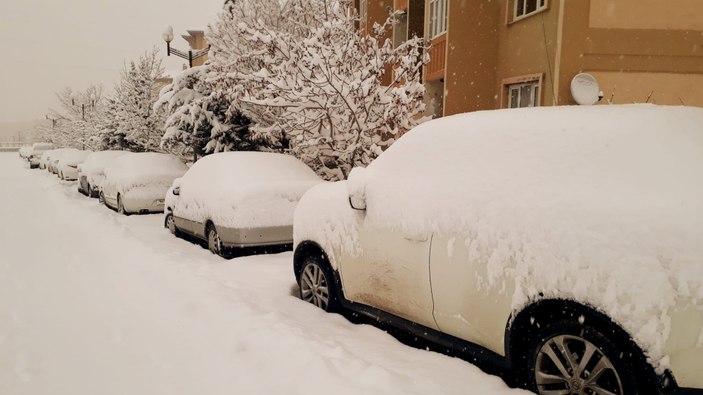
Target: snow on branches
323, 80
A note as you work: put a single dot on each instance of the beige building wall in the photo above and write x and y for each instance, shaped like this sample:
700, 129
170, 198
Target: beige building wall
196, 40
634, 48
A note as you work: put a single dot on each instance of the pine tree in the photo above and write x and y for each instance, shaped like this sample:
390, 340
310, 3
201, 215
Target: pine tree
138, 127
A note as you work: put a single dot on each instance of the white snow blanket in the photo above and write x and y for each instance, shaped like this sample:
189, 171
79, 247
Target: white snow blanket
603, 205
243, 189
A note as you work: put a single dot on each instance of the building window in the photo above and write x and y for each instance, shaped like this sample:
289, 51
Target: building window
523, 95
527, 7
438, 17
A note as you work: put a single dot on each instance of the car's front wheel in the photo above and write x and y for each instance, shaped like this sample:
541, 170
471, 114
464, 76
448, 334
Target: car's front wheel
214, 243
317, 285
576, 359
170, 224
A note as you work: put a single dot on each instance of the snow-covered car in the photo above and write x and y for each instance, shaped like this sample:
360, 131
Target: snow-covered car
52, 163
239, 199
67, 164
44, 159
563, 244
24, 151
137, 182
91, 172
36, 153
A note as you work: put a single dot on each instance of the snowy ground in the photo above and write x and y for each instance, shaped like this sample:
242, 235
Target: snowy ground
96, 303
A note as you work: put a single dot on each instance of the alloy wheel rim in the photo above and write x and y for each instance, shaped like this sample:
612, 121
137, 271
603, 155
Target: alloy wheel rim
571, 365
214, 241
170, 224
313, 286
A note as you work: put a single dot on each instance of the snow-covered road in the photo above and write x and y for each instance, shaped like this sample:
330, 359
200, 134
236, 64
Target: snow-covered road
95, 303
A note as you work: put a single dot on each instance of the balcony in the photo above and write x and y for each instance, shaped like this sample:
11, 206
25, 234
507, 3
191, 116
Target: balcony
438, 58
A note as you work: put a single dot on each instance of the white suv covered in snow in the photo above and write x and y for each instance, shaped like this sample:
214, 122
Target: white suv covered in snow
564, 244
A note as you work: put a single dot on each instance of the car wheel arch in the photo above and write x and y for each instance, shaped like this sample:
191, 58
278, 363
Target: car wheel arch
310, 249
305, 249
527, 323
206, 225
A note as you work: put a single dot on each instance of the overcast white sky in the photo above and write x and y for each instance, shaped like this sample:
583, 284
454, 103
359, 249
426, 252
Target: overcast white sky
50, 44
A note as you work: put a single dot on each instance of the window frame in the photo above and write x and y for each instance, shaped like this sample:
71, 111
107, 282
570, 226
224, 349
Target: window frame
438, 18
541, 5
514, 84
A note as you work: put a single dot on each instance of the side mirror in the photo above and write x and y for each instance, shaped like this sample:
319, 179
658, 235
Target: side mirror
356, 186
176, 186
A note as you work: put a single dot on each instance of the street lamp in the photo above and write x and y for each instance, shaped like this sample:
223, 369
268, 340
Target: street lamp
190, 56
75, 97
91, 103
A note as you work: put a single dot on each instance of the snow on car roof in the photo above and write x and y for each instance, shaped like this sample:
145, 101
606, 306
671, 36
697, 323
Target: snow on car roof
96, 161
73, 156
250, 167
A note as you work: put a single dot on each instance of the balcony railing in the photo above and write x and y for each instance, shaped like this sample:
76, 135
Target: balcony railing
438, 58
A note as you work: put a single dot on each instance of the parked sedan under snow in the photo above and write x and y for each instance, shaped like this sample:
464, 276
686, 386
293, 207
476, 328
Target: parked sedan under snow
239, 199
137, 182
91, 173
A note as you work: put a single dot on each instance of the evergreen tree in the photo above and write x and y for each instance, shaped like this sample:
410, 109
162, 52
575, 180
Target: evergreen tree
138, 127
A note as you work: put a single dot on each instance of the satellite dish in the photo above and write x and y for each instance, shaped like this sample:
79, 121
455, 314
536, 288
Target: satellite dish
585, 90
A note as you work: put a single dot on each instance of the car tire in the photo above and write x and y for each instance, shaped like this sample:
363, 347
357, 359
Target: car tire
170, 224
317, 285
120, 206
568, 357
214, 243
101, 198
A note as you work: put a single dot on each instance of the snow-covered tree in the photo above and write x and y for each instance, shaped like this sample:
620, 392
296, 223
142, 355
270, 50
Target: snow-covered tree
75, 122
319, 79
205, 112
138, 126
198, 122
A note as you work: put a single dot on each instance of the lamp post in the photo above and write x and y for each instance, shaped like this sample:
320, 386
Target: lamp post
190, 56
90, 102
53, 120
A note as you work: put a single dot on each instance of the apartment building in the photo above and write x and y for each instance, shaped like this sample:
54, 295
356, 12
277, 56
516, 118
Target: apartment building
488, 54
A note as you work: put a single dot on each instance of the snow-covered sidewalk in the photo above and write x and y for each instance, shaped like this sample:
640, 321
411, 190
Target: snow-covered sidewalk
95, 303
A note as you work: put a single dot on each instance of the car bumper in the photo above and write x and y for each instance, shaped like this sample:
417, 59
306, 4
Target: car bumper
254, 237
143, 205
70, 174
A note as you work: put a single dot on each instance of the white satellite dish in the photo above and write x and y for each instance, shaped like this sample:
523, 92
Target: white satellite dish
585, 90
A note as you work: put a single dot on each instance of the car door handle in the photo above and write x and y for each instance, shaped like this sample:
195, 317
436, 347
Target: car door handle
416, 237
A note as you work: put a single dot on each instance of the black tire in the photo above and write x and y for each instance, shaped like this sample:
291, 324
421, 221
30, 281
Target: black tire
572, 357
317, 285
170, 224
214, 244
